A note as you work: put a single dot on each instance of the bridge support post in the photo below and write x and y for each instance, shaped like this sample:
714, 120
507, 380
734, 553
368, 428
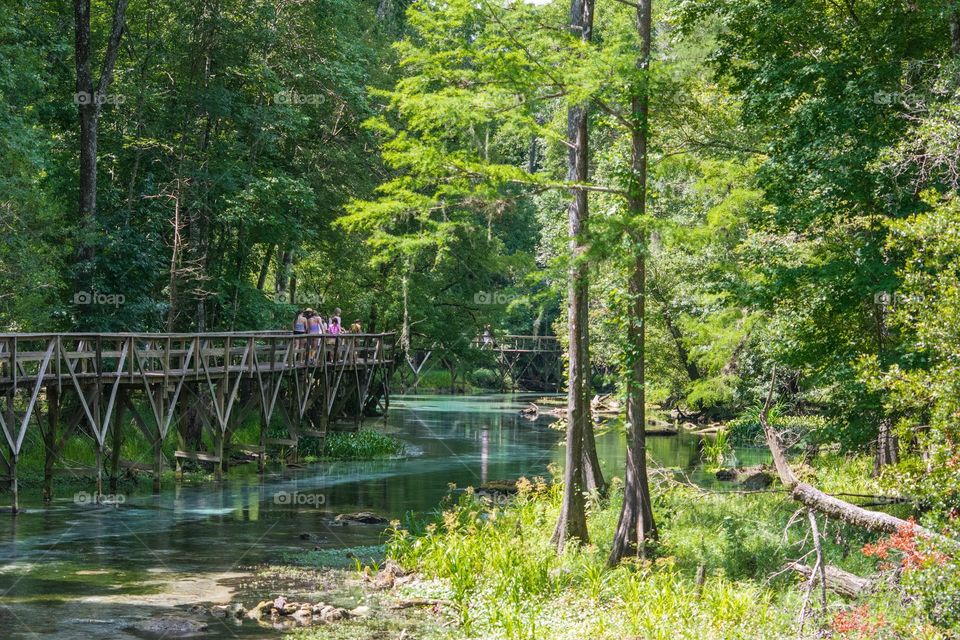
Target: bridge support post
116, 441
157, 462
218, 438
12, 463
262, 461
99, 464
14, 489
50, 441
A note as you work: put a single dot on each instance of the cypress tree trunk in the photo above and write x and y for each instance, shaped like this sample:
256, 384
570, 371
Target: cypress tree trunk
572, 522
636, 524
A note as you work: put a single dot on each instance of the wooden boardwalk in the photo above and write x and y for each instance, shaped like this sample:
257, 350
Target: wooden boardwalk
525, 363
200, 386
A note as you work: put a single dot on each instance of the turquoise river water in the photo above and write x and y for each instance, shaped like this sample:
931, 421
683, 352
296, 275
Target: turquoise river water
71, 570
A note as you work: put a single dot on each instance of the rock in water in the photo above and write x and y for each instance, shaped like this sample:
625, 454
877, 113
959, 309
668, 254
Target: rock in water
751, 479
262, 609
757, 480
726, 474
221, 611
334, 614
361, 517
303, 616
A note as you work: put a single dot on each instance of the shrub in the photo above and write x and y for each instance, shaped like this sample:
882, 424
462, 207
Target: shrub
485, 378
746, 429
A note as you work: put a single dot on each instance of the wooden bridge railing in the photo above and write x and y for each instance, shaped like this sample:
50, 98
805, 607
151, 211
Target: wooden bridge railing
126, 357
529, 363
549, 344
311, 380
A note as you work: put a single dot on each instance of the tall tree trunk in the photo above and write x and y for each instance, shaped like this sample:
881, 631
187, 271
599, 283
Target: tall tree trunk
955, 29
89, 98
636, 524
886, 449
283, 277
592, 474
683, 355
572, 522
265, 266
175, 261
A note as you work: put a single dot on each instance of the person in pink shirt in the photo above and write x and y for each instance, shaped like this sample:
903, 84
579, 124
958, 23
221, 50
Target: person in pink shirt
334, 327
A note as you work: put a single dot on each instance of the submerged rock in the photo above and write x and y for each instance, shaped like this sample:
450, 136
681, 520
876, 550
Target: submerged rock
333, 614
757, 480
361, 517
303, 616
531, 411
751, 478
498, 486
726, 475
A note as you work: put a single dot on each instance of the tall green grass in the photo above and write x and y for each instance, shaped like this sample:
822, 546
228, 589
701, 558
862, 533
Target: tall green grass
499, 569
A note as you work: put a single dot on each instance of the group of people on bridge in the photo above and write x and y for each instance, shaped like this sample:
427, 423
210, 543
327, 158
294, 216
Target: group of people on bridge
308, 322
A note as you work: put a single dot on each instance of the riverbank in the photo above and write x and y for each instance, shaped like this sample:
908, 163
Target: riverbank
718, 571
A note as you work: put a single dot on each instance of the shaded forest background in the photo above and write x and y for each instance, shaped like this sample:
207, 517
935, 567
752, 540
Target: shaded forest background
408, 166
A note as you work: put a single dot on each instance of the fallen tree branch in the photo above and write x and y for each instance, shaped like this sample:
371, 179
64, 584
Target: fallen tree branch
839, 581
824, 503
421, 602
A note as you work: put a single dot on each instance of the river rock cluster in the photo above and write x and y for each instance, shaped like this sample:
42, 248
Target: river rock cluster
281, 611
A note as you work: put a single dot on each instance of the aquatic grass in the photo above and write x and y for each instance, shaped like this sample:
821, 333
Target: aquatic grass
716, 449
364, 444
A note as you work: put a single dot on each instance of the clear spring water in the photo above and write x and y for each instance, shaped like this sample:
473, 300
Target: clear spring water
71, 570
